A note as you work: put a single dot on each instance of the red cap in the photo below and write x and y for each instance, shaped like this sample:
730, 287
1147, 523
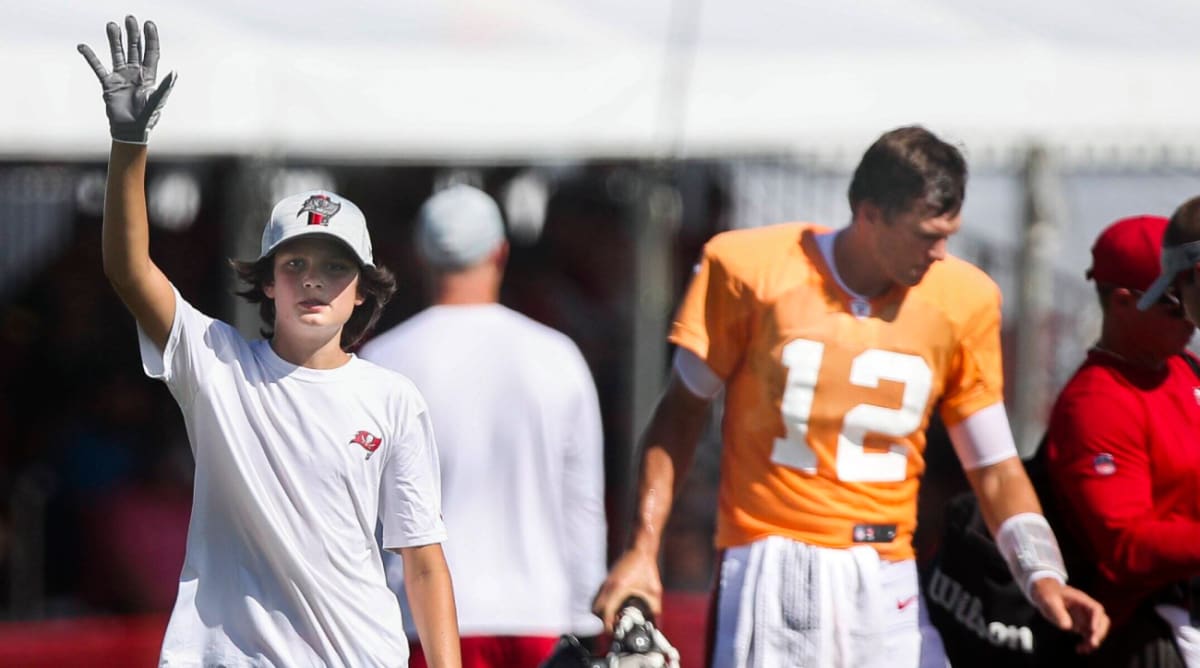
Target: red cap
1126, 254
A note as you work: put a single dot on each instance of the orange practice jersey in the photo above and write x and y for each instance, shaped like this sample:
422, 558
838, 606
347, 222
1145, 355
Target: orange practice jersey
825, 412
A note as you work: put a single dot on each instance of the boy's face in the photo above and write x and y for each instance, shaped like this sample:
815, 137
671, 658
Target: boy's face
315, 287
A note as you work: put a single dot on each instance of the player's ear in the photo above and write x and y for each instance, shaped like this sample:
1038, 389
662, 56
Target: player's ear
869, 212
268, 288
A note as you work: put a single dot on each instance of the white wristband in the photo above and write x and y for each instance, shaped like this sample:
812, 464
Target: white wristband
1029, 548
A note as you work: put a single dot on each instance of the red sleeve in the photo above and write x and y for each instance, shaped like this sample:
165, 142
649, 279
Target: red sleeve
1099, 464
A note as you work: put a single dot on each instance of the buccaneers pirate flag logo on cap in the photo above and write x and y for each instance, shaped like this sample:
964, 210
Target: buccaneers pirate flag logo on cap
313, 212
320, 209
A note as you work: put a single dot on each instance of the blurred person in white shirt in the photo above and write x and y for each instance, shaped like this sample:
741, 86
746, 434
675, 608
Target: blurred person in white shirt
517, 420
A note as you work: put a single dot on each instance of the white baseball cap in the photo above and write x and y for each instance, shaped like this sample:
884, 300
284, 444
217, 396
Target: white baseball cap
318, 212
458, 227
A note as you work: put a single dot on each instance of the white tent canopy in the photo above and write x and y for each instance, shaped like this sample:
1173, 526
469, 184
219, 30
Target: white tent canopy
494, 79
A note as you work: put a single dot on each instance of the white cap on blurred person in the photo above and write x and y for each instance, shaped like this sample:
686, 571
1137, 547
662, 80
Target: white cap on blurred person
458, 227
318, 212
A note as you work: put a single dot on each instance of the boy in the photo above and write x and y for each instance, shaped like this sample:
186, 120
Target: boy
300, 446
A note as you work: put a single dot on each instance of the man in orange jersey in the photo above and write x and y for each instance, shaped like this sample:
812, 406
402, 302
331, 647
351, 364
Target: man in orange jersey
833, 347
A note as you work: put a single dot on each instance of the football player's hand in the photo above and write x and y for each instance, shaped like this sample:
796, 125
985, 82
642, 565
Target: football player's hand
634, 574
1071, 610
132, 101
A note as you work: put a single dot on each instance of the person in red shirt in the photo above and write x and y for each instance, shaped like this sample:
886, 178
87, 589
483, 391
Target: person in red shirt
1123, 455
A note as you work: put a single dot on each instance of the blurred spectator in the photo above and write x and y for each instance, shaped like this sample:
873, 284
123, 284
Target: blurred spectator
1122, 456
582, 285
137, 532
81, 424
93, 451
517, 421
577, 279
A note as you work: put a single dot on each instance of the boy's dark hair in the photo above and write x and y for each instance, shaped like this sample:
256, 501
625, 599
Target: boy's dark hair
375, 284
907, 166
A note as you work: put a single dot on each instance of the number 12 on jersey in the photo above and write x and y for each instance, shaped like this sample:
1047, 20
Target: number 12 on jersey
854, 463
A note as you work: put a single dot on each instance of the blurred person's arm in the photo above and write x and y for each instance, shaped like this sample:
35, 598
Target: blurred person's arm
669, 443
583, 503
133, 103
431, 599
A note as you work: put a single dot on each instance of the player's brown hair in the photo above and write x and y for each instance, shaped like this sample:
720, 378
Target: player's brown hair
376, 285
909, 166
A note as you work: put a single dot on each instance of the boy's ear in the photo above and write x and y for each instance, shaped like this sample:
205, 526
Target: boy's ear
269, 289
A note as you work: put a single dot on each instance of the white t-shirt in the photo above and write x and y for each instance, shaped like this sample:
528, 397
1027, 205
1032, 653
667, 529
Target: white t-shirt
518, 424
294, 469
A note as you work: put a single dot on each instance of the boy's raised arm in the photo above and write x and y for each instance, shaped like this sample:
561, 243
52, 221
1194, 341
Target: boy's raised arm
133, 104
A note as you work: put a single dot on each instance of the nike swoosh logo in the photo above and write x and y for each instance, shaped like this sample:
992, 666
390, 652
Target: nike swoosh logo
902, 604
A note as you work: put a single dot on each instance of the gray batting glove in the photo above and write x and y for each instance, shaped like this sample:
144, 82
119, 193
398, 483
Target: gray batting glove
130, 98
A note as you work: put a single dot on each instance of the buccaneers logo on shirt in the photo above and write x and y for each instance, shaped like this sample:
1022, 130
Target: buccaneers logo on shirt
369, 442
